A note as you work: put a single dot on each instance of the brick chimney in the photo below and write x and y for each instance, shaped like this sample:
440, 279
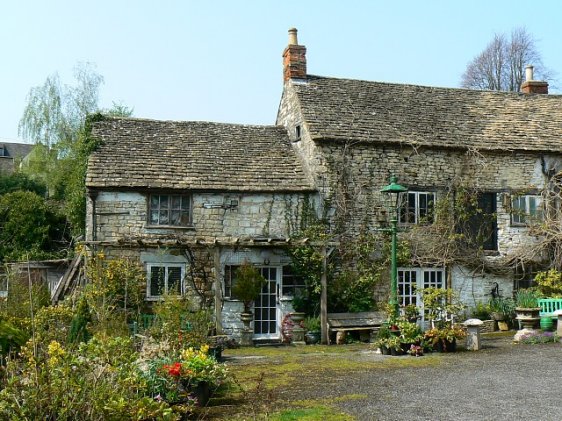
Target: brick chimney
294, 58
531, 86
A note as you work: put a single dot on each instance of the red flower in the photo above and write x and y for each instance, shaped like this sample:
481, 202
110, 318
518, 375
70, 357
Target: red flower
174, 370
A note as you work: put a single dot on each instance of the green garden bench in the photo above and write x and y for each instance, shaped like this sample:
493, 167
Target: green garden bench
549, 306
147, 320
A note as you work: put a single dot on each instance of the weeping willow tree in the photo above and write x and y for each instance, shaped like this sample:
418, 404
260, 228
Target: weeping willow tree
55, 120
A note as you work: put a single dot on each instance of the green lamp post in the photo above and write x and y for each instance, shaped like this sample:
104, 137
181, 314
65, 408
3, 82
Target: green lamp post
394, 190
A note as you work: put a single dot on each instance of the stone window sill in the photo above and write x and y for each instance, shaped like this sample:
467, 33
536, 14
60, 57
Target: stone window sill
175, 227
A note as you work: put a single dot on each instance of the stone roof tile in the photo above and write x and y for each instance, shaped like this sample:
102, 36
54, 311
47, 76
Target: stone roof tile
345, 109
142, 153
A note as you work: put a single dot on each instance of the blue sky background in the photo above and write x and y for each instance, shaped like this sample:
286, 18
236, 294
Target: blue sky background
221, 60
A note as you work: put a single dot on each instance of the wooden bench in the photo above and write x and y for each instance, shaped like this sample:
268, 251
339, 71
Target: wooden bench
367, 321
549, 306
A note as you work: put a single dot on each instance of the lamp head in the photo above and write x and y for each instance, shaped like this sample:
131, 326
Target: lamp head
394, 187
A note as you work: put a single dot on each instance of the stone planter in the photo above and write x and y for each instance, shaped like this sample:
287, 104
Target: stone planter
529, 317
247, 332
298, 331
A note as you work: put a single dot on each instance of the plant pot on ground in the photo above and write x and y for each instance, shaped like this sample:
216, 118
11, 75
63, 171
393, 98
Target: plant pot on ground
527, 308
312, 327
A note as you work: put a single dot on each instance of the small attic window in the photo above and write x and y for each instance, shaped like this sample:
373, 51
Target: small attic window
298, 132
2, 151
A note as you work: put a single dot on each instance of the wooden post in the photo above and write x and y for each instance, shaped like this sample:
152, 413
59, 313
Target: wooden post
218, 291
324, 298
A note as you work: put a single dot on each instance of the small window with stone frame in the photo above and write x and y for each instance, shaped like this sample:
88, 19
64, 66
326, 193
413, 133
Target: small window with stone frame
525, 209
417, 207
170, 210
164, 278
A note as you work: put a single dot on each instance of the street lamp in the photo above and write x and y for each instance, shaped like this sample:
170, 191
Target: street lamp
394, 189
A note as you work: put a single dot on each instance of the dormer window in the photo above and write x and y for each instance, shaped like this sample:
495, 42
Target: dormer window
298, 132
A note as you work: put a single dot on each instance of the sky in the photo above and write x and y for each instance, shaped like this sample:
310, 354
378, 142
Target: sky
220, 60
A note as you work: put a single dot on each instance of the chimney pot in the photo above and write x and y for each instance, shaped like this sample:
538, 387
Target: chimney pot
531, 86
294, 58
529, 73
293, 36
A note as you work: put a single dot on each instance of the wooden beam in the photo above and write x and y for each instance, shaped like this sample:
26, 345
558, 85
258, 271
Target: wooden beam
324, 299
218, 291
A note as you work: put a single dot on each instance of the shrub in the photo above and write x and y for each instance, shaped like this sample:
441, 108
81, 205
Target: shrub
115, 293
31, 228
98, 381
550, 283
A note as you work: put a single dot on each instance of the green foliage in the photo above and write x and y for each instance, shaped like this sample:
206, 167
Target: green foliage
350, 292
503, 306
312, 323
79, 326
481, 311
31, 228
441, 305
115, 292
177, 324
549, 283
52, 323
248, 285
11, 338
364, 263
100, 380
56, 119
19, 181
527, 298
16, 307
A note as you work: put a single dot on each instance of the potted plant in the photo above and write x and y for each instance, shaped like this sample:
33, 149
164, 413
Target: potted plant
312, 327
410, 334
411, 313
247, 288
393, 343
501, 310
444, 339
381, 341
527, 308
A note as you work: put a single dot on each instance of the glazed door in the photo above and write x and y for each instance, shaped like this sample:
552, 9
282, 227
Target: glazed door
266, 306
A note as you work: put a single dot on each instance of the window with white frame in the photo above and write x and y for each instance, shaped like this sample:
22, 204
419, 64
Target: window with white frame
170, 209
164, 279
526, 208
413, 280
417, 207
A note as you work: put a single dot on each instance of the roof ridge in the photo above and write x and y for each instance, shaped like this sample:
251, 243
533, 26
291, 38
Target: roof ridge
445, 88
217, 123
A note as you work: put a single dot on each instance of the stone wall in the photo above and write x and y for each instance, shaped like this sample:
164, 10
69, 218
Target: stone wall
123, 215
349, 176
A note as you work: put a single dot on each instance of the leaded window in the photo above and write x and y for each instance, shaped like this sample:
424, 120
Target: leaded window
170, 209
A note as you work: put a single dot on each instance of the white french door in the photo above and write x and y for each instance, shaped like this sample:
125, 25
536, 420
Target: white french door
412, 280
266, 307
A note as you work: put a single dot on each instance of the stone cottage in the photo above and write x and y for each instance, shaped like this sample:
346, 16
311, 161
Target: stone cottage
176, 193
11, 154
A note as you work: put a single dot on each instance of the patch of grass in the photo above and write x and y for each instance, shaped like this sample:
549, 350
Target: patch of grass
279, 373
311, 414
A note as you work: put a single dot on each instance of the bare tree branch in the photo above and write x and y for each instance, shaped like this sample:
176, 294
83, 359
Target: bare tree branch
501, 66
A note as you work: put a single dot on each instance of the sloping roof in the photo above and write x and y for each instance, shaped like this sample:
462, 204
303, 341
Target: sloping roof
15, 150
142, 153
440, 117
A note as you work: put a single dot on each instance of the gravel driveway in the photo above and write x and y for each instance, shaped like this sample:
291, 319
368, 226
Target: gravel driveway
502, 381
